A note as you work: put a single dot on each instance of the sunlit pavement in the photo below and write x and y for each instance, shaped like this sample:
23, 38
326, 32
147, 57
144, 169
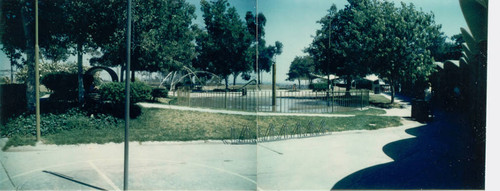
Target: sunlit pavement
313, 163
318, 163
165, 166
307, 163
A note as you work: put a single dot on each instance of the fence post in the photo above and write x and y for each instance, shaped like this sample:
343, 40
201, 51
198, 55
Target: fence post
333, 100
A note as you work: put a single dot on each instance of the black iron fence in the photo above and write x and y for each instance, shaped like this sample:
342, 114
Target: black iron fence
247, 135
286, 101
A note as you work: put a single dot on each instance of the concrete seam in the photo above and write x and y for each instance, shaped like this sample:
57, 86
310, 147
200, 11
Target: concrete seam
103, 176
7, 173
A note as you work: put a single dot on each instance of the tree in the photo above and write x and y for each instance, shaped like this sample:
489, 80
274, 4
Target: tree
14, 57
341, 45
404, 37
162, 35
301, 68
265, 54
223, 45
17, 36
320, 49
369, 36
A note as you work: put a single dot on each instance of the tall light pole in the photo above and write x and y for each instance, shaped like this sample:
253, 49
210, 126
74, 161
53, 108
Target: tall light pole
37, 76
127, 95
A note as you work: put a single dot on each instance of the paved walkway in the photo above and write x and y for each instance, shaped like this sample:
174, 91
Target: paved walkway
176, 107
315, 163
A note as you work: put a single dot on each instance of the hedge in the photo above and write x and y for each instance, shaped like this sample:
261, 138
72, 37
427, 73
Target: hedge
115, 92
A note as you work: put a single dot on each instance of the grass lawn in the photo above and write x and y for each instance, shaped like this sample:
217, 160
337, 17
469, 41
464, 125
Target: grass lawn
177, 125
379, 100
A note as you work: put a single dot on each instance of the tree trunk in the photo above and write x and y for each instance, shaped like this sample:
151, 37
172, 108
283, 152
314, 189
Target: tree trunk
121, 73
226, 79
234, 78
392, 91
132, 79
30, 57
11, 70
259, 77
79, 52
328, 82
348, 86
299, 84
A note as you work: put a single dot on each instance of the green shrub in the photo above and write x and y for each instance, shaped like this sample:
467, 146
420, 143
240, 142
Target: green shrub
364, 84
159, 92
115, 92
55, 123
319, 87
12, 99
64, 85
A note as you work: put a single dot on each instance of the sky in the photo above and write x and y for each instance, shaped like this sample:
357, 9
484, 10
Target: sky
293, 22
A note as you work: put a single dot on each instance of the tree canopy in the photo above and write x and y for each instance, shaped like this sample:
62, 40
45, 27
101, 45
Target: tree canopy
301, 68
265, 54
222, 47
369, 36
162, 35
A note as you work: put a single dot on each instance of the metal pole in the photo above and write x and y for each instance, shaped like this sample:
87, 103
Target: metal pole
257, 43
127, 95
37, 76
274, 87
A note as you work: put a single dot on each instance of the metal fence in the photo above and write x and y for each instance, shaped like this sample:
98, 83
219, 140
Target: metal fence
286, 101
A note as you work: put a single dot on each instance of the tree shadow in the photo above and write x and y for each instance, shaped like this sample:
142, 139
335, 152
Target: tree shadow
443, 155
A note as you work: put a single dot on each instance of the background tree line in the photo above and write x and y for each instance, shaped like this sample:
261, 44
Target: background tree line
397, 43
164, 37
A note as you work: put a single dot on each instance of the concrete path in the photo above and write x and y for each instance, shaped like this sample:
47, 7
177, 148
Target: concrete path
314, 163
184, 108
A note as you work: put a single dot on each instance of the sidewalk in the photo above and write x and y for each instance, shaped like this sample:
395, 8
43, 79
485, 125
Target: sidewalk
185, 108
314, 163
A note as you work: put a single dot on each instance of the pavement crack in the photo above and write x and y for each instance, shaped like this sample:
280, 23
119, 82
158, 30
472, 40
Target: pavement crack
8, 176
272, 150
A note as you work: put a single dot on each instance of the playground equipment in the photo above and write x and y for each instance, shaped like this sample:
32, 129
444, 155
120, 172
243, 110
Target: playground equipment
185, 73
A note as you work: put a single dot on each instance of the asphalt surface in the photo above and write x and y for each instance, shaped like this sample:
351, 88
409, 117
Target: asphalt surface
313, 163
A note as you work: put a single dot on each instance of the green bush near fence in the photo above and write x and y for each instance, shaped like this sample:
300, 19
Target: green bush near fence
159, 93
114, 92
315, 87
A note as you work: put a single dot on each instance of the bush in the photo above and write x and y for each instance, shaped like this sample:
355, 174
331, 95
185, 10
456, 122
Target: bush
364, 84
64, 85
115, 92
319, 87
12, 101
54, 123
159, 92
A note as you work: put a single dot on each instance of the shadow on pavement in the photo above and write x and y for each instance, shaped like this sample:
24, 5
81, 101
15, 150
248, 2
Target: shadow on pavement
443, 155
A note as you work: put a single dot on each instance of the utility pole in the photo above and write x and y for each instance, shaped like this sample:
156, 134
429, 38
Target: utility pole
37, 77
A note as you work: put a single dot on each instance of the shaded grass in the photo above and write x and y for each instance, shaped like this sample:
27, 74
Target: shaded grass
369, 111
176, 125
381, 101
334, 124
19, 140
